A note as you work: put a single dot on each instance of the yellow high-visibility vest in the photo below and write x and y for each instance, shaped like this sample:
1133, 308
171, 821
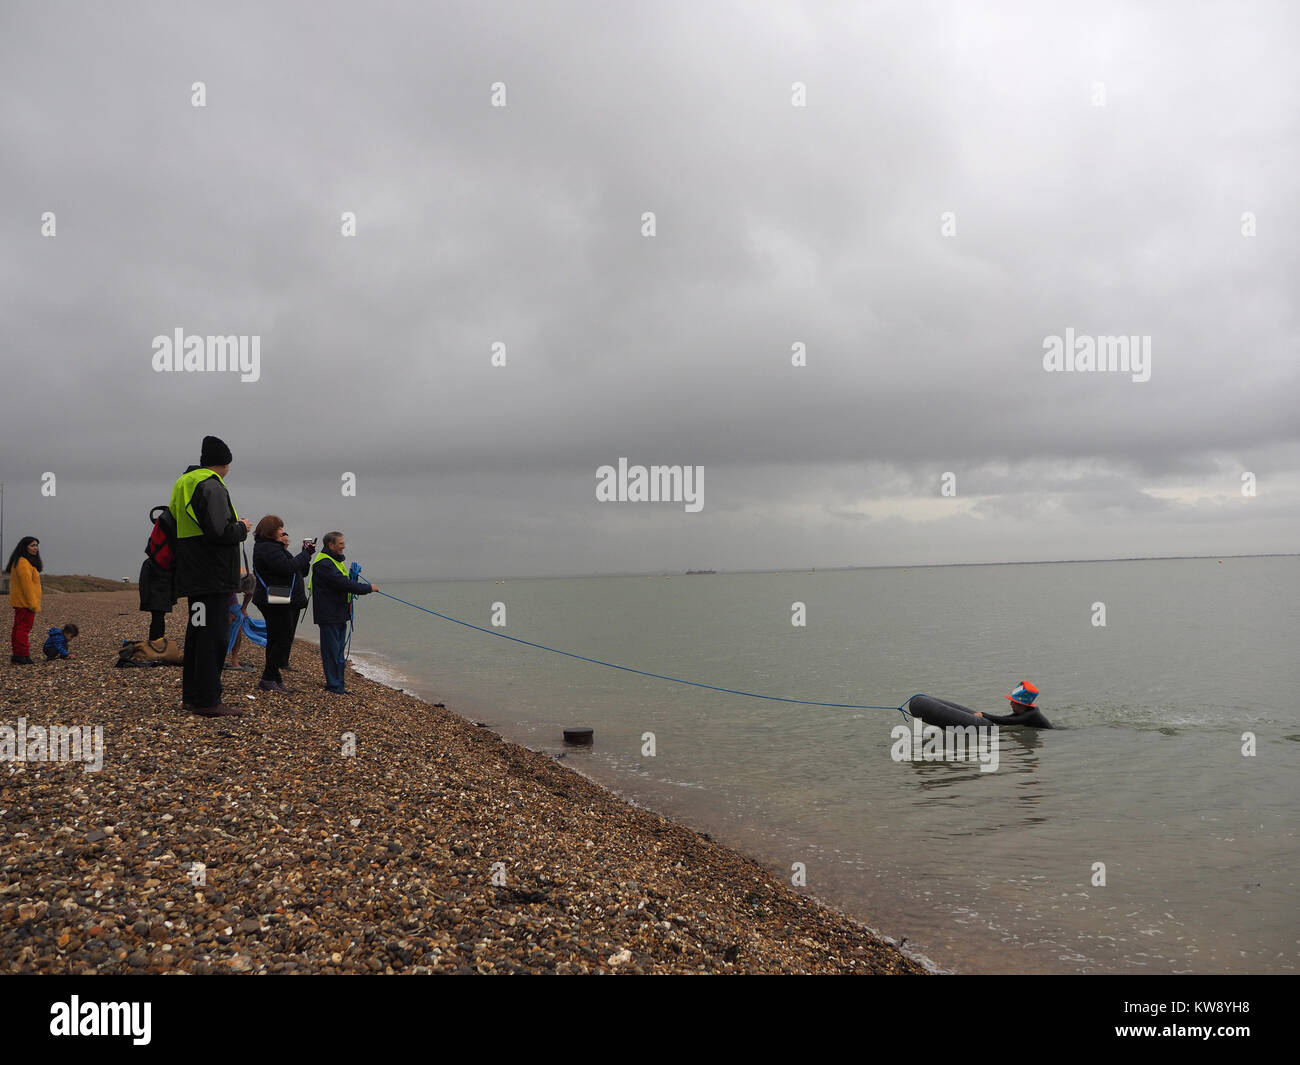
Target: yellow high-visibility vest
182, 502
312, 571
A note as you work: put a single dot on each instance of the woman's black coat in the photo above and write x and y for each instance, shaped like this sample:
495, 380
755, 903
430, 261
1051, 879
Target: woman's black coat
273, 564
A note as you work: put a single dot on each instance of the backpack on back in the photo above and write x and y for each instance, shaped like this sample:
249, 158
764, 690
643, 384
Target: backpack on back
162, 541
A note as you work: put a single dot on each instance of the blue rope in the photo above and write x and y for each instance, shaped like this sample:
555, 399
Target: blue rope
354, 574
646, 673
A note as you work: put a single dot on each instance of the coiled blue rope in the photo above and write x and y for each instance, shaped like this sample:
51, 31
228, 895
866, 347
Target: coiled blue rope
647, 673
354, 574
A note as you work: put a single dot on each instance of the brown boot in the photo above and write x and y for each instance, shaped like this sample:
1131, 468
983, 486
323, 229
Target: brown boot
220, 710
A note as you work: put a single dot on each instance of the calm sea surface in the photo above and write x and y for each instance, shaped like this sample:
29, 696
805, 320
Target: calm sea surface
981, 871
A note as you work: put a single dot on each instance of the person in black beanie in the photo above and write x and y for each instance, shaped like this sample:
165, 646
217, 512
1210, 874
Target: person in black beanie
208, 535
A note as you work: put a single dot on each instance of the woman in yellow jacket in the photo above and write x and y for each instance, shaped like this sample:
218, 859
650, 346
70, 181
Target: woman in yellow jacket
24, 571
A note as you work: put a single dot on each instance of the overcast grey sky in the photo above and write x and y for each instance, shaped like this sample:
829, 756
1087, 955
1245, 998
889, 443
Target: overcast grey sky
1098, 160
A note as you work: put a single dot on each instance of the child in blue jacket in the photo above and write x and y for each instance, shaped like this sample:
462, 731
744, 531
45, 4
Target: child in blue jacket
56, 644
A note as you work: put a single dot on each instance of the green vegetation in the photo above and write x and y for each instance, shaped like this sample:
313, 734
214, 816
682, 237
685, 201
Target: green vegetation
81, 582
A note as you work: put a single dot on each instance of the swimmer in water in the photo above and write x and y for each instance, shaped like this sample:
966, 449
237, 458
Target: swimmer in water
1023, 710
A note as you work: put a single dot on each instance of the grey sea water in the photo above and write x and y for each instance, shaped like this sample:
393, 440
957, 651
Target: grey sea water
981, 871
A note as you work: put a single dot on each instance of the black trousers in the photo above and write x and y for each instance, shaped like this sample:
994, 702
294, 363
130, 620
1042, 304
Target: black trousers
205, 650
157, 624
279, 639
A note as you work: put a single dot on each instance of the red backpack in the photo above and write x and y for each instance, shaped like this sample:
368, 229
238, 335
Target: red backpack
162, 541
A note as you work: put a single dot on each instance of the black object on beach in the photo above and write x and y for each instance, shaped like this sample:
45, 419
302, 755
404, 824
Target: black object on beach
579, 737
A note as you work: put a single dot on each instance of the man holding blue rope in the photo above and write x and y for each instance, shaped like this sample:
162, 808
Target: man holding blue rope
331, 591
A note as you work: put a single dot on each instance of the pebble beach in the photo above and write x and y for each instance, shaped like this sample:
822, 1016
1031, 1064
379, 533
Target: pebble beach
368, 832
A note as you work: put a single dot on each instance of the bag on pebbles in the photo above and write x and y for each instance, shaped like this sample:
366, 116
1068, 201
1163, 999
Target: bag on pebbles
162, 652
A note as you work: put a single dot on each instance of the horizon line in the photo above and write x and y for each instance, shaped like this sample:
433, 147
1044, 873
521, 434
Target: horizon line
842, 569
812, 569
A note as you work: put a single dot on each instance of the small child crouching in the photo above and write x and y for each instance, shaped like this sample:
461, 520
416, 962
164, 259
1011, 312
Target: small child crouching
56, 644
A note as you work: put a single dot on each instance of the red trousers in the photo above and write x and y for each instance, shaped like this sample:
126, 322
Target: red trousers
23, 618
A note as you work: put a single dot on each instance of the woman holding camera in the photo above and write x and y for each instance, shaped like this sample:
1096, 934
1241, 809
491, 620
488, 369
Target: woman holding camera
280, 593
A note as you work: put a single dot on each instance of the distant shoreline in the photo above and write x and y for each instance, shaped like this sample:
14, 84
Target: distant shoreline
827, 569
85, 583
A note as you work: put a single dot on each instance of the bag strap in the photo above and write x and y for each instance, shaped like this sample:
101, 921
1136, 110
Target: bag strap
292, 580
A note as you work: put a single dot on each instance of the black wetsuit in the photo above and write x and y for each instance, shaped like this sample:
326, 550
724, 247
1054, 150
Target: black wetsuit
1031, 718
936, 711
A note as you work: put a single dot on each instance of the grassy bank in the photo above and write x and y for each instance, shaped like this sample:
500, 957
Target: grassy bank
81, 582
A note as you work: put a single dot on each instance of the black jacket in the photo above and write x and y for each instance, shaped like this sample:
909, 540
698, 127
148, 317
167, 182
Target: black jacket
209, 564
329, 592
157, 587
273, 564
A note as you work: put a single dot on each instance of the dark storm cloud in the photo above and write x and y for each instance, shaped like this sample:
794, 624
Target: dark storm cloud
776, 225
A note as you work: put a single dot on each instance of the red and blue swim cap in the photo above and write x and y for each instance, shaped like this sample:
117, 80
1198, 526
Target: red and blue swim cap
1025, 694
